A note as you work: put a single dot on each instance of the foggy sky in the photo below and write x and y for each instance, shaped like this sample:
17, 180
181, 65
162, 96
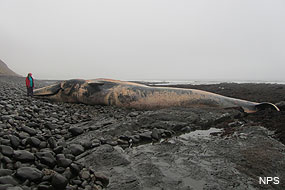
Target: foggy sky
144, 39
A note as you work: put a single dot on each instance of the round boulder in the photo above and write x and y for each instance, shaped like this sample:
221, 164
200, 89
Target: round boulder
32, 174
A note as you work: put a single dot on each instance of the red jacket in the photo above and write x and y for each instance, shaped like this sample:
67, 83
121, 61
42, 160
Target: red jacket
28, 83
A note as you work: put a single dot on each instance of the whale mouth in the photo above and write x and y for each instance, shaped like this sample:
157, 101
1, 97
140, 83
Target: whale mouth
48, 90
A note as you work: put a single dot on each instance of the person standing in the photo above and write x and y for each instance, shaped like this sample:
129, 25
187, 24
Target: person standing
30, 85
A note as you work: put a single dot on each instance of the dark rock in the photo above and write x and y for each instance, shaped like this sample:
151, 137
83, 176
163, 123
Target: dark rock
75, 168
19, 118
45, 187
63, 162
87, 144
29, 130
8, 180
59, 169
33, 125
5, 142
101, 177
45, 154
155, 134
11, 122
51, 162
50, 126
133, 114
15, 141
5, 172
5, 186
67, 174
58, 181
85, 175
76, 182
146, 136
76, 131
186, 129
33, 141
32, 174
15, 188
24, 155
76, 149
6, 117
24, 135
6, 150
112, 143
43, 145
6, 160
70, 156
52, 142
58, 150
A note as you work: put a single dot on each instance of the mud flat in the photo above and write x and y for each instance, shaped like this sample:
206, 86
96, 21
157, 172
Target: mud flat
49, 145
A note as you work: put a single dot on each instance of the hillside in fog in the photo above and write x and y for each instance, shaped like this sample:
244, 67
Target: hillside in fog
5, 70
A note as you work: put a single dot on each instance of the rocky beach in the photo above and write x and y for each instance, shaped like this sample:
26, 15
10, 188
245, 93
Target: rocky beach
50, 145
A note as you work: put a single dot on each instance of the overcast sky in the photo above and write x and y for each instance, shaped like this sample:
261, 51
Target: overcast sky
144, 39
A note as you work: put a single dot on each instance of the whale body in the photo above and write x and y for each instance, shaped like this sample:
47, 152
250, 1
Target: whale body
139, 96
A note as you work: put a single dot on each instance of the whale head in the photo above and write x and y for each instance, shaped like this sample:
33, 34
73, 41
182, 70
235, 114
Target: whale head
74, 91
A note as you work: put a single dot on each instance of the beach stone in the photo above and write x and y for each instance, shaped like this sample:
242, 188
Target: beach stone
5, 142
58, 149
52, 142
6, 160
146, 135
58, 181
6, 117
85, 175
24, 135
43, 145
33, 125
14, 188
63, 162
5, 172
5, 186
76, 149
29, 130
50, 126
45, 153
15, 141
29, 173
101, 177
24, 155
75, 168
51, 162
87, 144
17, 117
6, 150
155, 134
34, 141
67, 174
45, 187
75, 131
8, 180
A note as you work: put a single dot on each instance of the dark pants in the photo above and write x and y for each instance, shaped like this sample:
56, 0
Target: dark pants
30, 91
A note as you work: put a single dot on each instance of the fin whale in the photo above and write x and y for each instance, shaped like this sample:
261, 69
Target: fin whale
139, 96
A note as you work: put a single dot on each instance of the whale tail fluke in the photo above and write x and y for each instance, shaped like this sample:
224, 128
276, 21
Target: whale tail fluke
259, 106
265, 105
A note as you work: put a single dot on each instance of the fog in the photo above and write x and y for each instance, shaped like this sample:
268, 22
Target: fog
144, 39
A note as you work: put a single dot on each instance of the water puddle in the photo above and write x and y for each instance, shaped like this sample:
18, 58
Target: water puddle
201, 133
